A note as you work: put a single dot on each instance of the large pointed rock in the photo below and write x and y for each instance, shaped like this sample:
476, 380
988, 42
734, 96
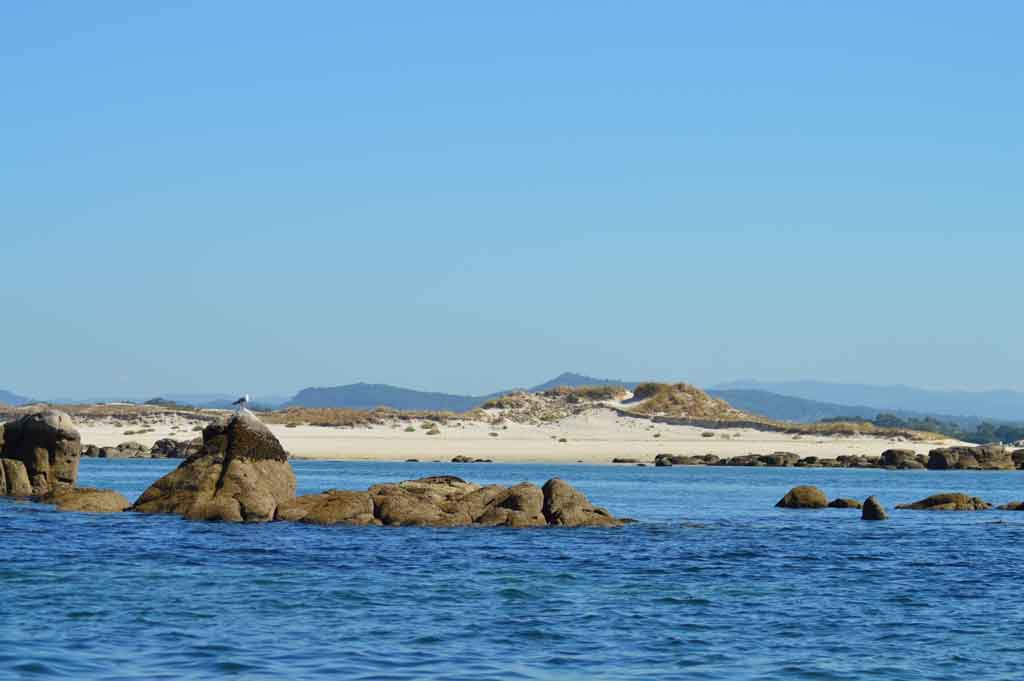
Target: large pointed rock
241, 474
48, 445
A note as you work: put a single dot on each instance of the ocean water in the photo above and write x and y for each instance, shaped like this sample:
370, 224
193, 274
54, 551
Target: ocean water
712, 583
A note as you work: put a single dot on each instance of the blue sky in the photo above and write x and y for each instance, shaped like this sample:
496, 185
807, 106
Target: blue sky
462, 196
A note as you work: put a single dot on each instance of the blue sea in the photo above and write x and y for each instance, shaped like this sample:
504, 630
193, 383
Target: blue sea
712, 583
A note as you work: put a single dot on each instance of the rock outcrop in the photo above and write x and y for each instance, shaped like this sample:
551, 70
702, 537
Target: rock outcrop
566, 506
873, 510
47, 444
1012, 506
804, 496
14, 481
903, 459
448, 501
168, 448
86, 500
985, 457
241, 474
948, 501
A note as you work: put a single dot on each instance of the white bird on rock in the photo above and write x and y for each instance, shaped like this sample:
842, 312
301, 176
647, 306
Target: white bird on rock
241, 402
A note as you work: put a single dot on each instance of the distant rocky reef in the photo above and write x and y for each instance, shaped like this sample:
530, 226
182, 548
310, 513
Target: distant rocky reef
985, 457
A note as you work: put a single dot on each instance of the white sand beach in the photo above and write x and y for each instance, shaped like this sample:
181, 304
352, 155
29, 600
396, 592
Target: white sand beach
595, 436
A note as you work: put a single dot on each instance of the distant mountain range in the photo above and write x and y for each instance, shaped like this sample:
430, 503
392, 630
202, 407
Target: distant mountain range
800, 401
1000, 405
13, 399
370, 395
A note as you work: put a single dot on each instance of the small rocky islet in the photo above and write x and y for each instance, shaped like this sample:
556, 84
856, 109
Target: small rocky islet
241, 473
993, 457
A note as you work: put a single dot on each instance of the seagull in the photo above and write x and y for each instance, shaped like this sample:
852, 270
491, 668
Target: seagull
241, 402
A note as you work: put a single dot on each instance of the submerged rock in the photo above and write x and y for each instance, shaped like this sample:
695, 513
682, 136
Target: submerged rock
86, 500
803, 496
948, 501
873, 510
1012, 506
241, 474
844, 503
48, 446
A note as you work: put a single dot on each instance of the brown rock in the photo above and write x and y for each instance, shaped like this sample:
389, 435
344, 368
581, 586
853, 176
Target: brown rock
330, 508
1018, 458
49, 446
873, 510
948, 501
783, 459
900, 458
519, 506
844, 503
241, 474
804, 496
14, 479
86, 500
429, 501
1012, 506
566, 506
985, 457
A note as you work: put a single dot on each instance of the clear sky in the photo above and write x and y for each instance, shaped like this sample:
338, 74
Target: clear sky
462, 196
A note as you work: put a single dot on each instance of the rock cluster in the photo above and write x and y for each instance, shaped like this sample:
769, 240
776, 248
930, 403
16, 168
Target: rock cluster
448, 501
40, 454
166, 448
241, 474
983, 457
808, 496
42, 448
986, 457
